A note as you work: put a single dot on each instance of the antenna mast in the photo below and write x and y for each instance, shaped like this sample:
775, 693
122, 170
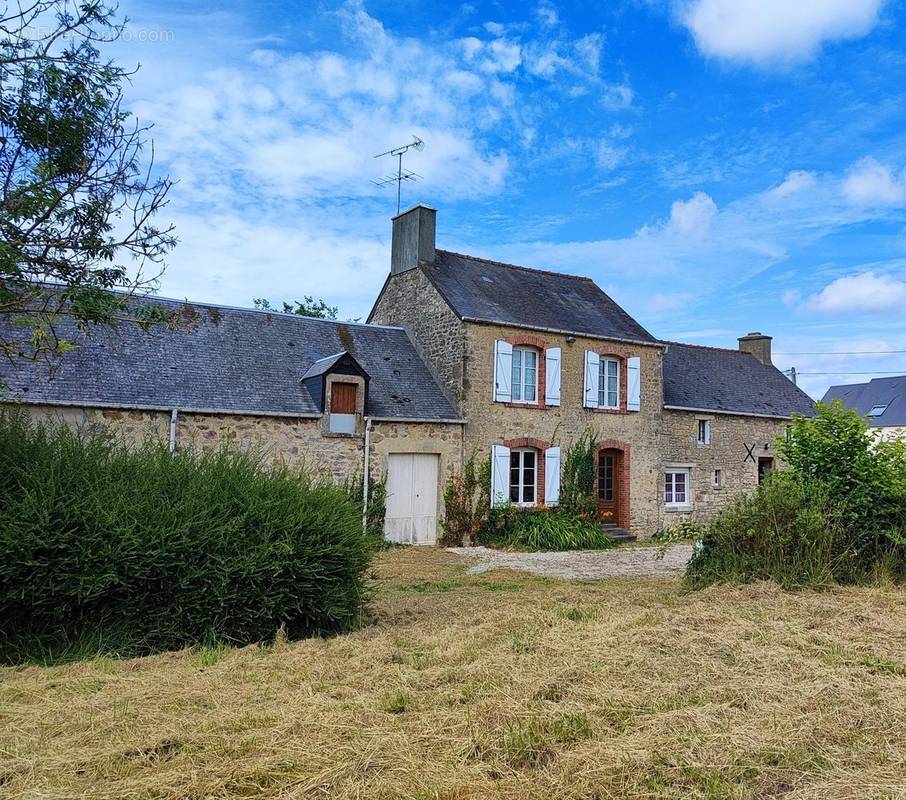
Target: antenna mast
401, 174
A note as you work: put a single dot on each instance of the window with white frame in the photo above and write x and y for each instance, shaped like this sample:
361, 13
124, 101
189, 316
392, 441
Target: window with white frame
523, 476
704, 431
676, 488
525, 375
609, 383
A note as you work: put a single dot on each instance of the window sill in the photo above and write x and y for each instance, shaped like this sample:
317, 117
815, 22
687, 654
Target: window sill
516, 404
675, 509
607, 410
338, 435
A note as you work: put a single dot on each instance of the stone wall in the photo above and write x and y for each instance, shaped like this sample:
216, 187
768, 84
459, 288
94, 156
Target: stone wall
491, 423
732, 438
410, 300
292, 441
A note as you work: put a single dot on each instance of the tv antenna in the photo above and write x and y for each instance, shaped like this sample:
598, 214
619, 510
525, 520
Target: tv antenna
401, 174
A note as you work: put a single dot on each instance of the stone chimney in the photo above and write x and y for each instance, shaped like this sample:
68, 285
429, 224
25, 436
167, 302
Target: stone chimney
413, 239
758, 345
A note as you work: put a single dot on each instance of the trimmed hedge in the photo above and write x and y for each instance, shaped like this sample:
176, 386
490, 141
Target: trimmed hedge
153, 551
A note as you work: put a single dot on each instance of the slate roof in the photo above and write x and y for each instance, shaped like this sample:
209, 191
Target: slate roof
877, 392
233, 360
323, 365
715, 379
489, 291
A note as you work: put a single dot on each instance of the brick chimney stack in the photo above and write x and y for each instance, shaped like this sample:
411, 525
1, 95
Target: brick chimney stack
758, 345
413, 239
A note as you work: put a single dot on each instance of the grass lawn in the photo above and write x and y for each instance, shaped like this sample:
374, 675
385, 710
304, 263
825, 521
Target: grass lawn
500, 685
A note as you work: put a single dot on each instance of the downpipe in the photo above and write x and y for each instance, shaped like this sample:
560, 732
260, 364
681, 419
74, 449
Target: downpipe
366, 475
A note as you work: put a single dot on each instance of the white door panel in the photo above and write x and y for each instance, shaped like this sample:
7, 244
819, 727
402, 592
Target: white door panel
412, 498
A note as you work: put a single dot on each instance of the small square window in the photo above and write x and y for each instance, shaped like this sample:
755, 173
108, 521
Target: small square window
704, 431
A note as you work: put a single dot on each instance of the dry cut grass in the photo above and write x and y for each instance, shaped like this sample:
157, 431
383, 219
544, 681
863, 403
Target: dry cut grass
496, 686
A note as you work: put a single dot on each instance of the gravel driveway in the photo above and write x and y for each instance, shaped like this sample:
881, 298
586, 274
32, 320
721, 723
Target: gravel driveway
582, 565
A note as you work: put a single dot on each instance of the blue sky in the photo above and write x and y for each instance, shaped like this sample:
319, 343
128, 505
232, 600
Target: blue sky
717, 166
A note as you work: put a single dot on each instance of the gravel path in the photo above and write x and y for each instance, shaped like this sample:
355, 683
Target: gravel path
582, 565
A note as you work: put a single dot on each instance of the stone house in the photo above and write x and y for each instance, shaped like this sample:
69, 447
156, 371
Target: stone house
460, 355
531, 359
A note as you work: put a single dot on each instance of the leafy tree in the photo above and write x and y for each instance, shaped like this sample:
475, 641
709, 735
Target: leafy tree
76, 197
307, 307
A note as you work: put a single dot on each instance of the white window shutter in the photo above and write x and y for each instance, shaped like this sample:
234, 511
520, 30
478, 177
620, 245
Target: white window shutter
552, 376
552, 476
633, 383
500, 475
592, 376
503, 371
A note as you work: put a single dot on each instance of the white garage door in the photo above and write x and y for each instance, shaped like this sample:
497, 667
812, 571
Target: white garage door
411, 498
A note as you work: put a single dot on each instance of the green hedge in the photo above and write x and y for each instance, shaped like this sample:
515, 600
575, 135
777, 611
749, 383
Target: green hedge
150, 551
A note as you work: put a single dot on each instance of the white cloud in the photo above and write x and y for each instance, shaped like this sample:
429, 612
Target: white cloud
866, 291
796, 181
868, 182
774, 32
791, 297
692, 217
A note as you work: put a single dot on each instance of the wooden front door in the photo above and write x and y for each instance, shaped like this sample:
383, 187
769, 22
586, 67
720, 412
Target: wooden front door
342, 398
607, 484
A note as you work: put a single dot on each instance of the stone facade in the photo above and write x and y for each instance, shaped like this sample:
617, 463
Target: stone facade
648, 441
292, 441
736, 445
409, 300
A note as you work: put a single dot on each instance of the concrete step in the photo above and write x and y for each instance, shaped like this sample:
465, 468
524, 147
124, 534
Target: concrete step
619, 535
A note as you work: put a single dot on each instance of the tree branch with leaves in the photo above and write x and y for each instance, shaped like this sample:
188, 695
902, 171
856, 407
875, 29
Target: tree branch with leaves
79, 187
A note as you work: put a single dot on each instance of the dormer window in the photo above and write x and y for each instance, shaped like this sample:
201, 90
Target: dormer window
525, 375
342, 407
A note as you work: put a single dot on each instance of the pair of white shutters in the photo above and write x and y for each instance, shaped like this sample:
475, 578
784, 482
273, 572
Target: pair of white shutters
593, 378
503, 374
503, 377
500, 475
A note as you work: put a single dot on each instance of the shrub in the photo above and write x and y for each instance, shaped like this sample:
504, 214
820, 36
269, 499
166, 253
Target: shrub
466, 503
514, 528
577, 482
144, 550
838, 514
781, 532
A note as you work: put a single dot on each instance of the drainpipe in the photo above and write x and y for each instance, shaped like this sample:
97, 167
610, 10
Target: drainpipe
174, 416
366, 475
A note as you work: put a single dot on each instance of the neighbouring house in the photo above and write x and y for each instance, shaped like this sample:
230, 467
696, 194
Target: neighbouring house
460, 355
881, 403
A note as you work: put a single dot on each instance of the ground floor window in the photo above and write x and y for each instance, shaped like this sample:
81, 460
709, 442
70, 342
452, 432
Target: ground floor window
523, 476
605, 476
676, 487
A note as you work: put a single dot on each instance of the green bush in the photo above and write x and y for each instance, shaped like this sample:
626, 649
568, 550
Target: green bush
143, 550
514, 528
466, 503
577, 482
838, 514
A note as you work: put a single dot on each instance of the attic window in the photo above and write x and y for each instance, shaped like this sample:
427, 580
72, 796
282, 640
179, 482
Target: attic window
876, 411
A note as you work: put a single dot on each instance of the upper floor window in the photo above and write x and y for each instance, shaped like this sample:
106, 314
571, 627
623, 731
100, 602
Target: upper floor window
342, 407
704, 431
523, 476
525, 375
609, 383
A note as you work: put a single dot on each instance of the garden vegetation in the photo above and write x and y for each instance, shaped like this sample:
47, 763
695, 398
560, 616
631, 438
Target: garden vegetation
837, 515
140, 550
